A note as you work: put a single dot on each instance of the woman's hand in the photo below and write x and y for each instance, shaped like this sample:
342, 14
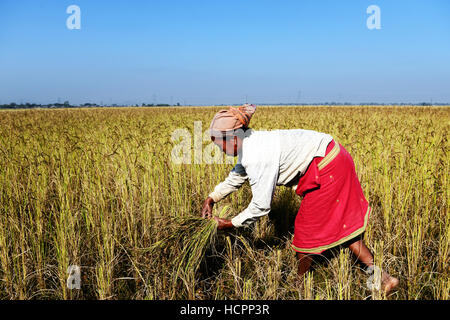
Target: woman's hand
207, 208
207, 213
223, 223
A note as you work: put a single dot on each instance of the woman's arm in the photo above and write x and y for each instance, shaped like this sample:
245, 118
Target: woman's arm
263, 180
233, 182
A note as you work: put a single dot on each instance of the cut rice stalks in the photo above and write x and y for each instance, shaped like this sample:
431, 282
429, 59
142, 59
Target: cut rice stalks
184, 244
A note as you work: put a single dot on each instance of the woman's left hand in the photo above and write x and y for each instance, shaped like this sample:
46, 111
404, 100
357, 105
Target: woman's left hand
223, 223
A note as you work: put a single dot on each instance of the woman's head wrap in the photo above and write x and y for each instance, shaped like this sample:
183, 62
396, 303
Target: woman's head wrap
231, 119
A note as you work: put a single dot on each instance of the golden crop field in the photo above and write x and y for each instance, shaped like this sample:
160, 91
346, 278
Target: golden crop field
99, 189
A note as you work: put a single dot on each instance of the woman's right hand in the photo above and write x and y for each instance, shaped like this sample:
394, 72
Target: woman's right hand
207, 208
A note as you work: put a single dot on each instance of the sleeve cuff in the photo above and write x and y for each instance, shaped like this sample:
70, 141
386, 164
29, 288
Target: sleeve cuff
215, 196
236, 222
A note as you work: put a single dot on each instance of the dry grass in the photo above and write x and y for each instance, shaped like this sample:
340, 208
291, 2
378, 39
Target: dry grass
97, 188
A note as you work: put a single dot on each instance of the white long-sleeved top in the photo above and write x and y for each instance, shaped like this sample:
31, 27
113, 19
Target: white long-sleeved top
268, 159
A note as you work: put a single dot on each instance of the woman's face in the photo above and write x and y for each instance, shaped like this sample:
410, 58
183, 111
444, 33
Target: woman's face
228, 144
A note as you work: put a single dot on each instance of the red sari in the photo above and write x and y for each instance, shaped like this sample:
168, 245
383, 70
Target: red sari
334, 209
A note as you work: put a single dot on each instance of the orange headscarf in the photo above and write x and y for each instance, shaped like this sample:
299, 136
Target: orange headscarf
232, 119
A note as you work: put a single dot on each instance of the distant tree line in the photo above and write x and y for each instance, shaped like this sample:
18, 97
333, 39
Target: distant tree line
66, 104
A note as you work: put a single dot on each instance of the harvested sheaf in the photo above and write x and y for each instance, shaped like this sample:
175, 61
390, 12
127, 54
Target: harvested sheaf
183, 245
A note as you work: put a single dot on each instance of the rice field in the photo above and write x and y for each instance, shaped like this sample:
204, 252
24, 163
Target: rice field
98, 189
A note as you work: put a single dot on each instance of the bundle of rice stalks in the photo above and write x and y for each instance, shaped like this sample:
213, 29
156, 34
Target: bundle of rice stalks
183, 244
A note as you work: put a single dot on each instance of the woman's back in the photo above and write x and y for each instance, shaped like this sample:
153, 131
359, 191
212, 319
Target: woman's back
292, 150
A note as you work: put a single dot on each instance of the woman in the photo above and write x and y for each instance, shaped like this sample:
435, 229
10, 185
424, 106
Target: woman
333, 210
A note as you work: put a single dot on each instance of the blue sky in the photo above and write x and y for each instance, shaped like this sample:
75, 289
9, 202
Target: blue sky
224, 52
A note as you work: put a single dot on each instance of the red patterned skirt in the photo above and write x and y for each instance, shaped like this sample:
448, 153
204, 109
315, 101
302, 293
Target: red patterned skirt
333, 209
